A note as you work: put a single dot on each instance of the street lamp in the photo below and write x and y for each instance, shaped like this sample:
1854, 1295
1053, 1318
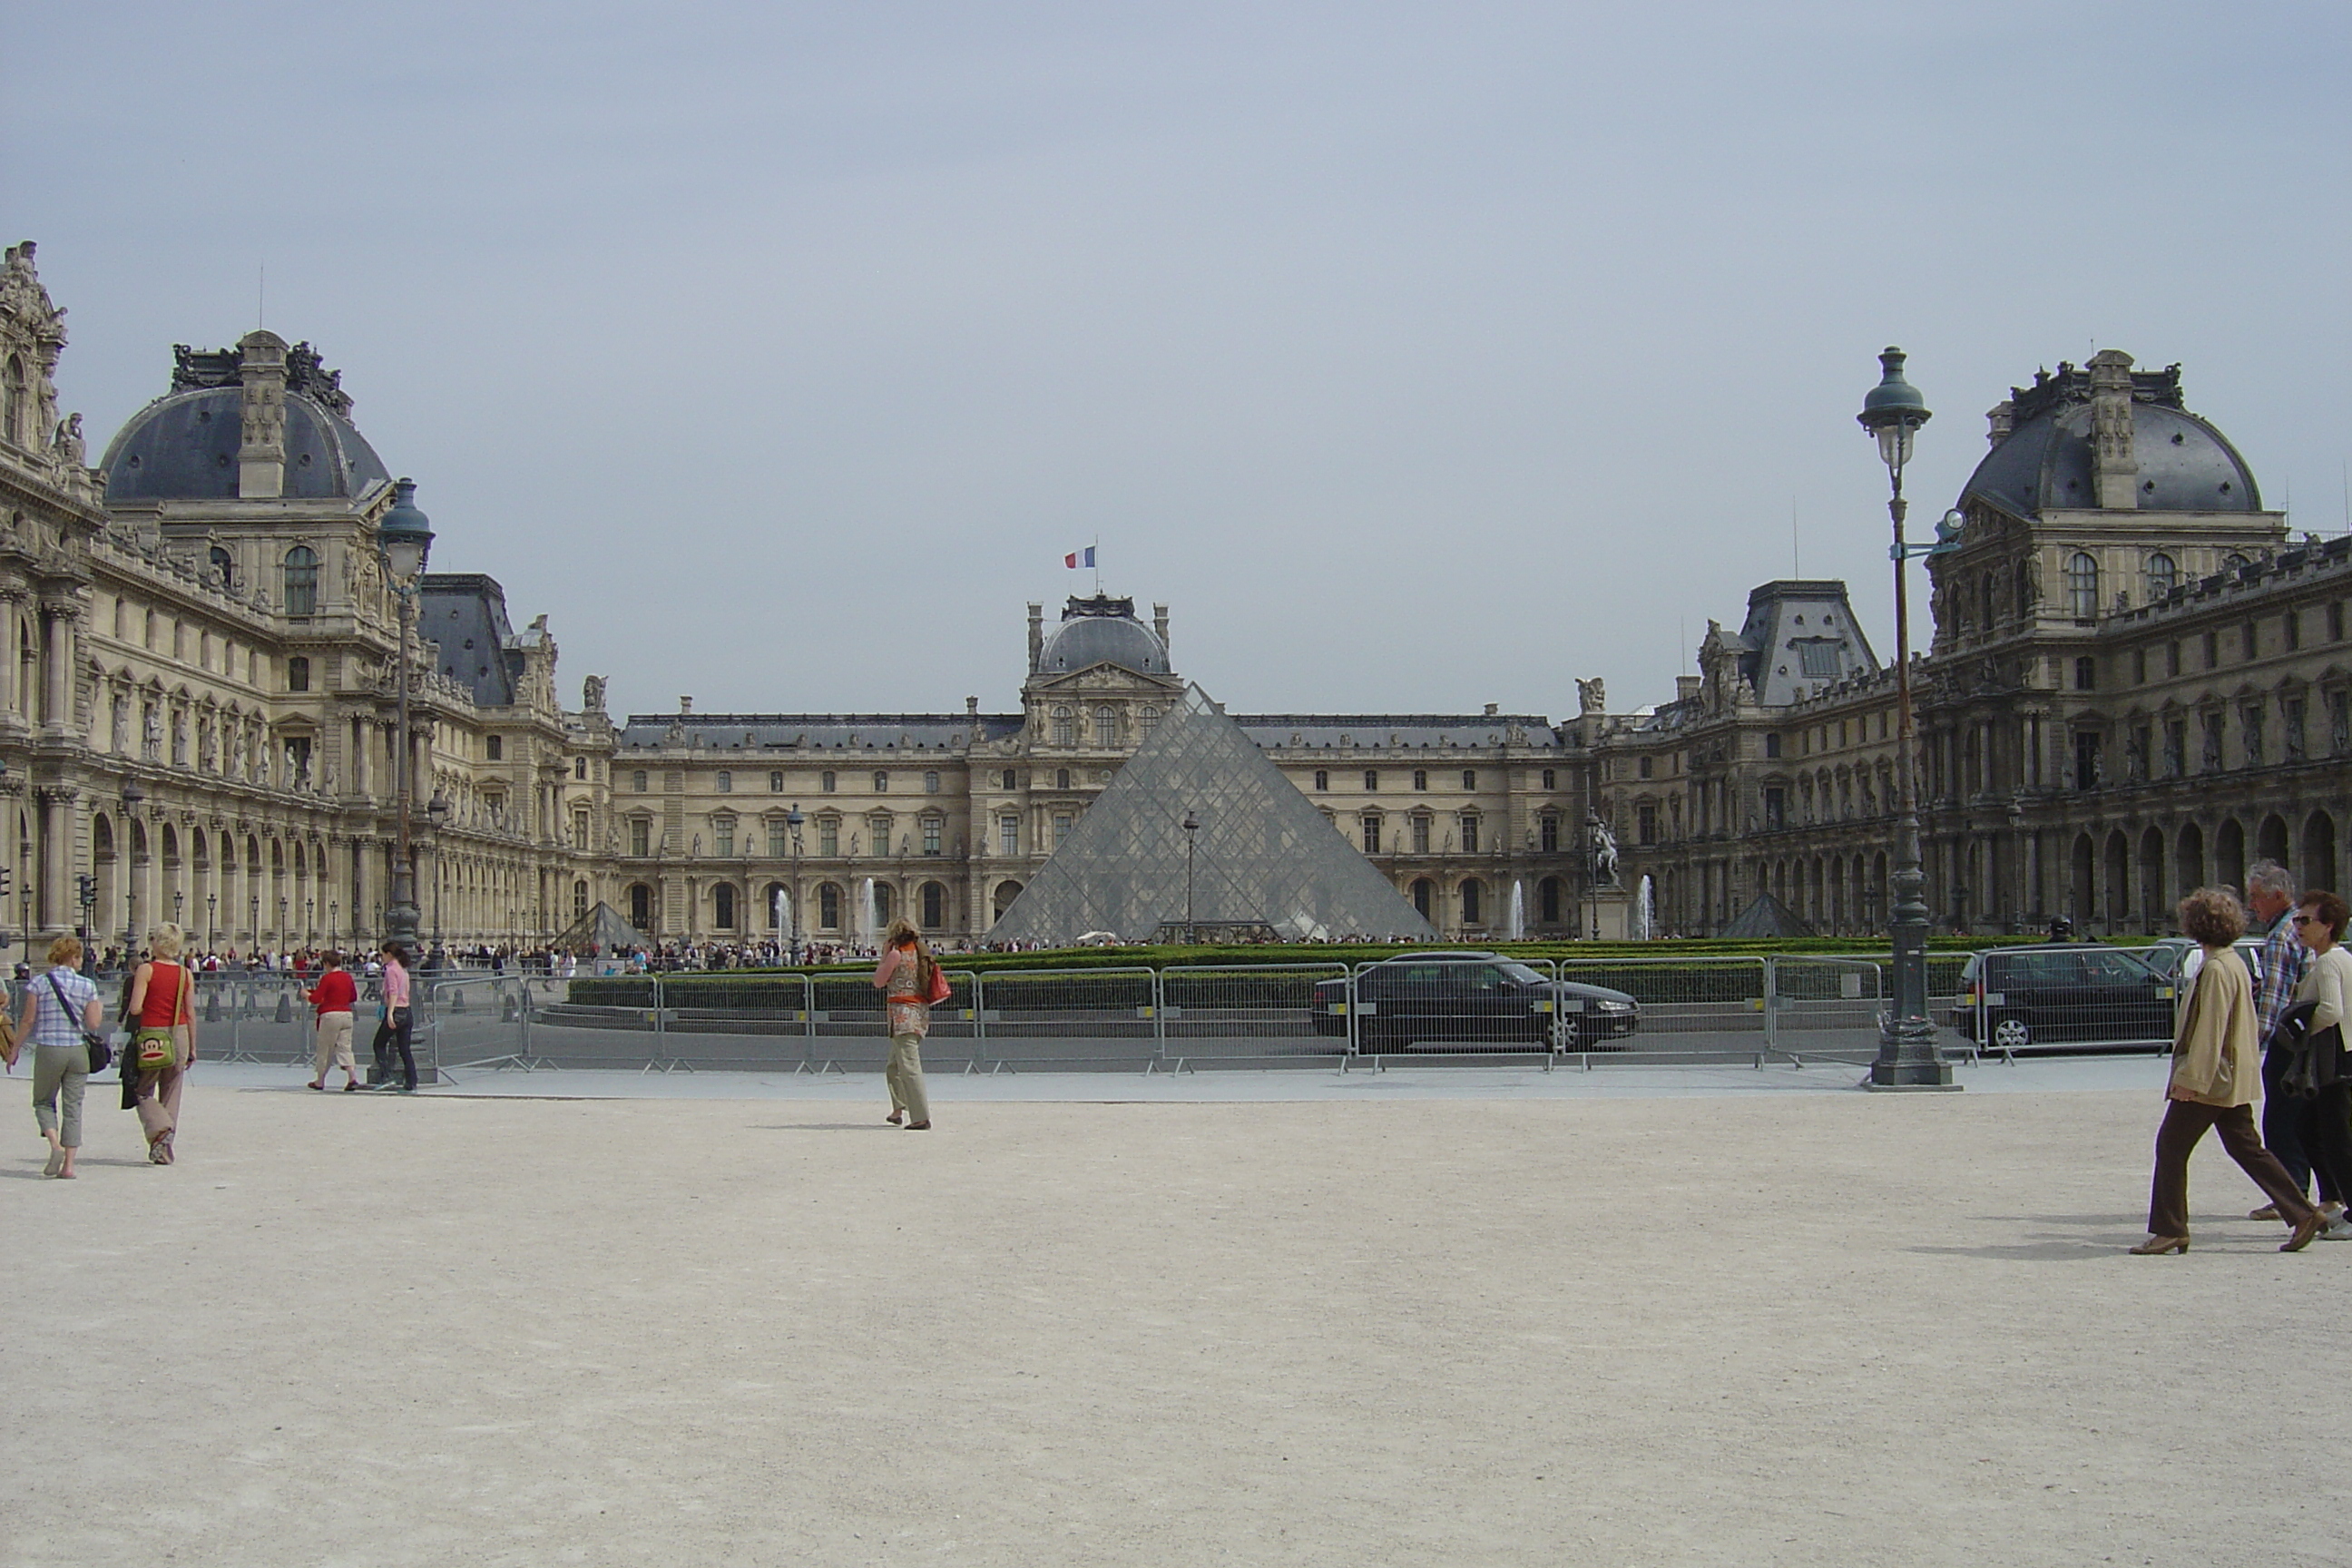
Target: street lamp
437, 816
405, 537
1892, 412
792, 820
132, 798
179, 903
212, 922
1191, 826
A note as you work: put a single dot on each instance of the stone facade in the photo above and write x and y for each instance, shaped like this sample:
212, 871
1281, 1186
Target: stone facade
2137, 682
204, 616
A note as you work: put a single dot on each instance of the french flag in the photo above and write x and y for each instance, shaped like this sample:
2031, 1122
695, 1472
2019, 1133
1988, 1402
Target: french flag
1079, 558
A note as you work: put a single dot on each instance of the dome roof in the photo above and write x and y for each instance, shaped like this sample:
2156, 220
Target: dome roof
2048, 463
184, 447
1102, 631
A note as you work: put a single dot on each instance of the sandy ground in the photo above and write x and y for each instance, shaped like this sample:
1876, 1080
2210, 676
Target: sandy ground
1828, 1328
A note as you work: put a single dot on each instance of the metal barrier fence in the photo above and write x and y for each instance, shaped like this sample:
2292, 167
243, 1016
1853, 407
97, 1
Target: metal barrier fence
1572, 1012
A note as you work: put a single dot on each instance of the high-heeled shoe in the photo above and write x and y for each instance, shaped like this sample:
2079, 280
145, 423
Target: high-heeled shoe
2158, 1246
2310, 1226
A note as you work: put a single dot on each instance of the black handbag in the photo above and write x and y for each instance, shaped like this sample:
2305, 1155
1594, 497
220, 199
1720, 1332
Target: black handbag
101, 1054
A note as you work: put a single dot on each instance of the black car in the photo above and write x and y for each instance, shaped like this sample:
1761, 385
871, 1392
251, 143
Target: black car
2013, 998
1471, 998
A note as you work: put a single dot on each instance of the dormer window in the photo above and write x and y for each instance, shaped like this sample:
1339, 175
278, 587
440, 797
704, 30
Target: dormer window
302, 580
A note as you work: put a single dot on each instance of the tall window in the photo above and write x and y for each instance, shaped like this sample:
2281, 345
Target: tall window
1064, 822
932, 827
828, 907
881, 782
2082, 586
641, 836
224, 566
722, 835
1547, 902
1008, 835
1004, 780
13, 403
935, 906
1647, 820
1469, 778
1372, 834
1421, 839
1146, 719
1322, 779
726, 779
1474, 903
637, 781
297, 674
498, 747
641, 906
1106, 726
932, 781
1371, 779
302, 580
826, 782
1064, 730
722, 906
1551, 778
828, 836
2163, 575
1469, 833
1424, 893
578, 901
780, 839
1547, 833
1421, 781
776, 781
878, 828
1061, 778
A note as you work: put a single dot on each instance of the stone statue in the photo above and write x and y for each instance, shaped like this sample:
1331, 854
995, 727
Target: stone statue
592, 694
179, 739
1591, 696
1603, 845
152, 736
67, 445
121, 723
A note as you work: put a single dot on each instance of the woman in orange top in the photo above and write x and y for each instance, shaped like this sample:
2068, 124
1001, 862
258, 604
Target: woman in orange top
907, 976
162, 1000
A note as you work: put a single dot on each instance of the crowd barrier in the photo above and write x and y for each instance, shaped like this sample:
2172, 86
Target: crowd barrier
1756, 1011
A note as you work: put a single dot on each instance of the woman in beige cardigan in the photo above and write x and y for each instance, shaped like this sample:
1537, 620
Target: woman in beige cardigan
2216, 1078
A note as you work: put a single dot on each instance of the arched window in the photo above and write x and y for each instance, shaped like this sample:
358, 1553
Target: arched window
881, 782
826, 782
1106, 726
722, 906
726, 781
1322, 779
935, 906
772, 905
881, 905
1474, 903
1424, 892
13, 402
776, 782
1547, 902
578, 901
302, 580
1064, 731
224, 566
932, 781
1061, 778
297, 674
641, 906
2163, 575
828, 906
2082, 586
2235, 563
1146, 719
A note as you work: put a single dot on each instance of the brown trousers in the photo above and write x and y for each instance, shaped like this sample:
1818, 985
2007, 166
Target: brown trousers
2185, 1123
159, 1092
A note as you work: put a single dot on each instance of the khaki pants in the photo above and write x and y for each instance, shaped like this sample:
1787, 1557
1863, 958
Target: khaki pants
904, 1074
334, 1044
59, 1071
159, 1092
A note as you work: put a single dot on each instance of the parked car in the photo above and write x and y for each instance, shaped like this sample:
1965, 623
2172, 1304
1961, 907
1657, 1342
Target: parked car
1464, 998
2013, 998
2167, 954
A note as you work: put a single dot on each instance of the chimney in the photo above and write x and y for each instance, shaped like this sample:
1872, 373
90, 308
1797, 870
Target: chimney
2111, 430
686, 705
261, 450
1999, 420
1492, 708
972, 706
1160, 625
1686, 688
1037, 636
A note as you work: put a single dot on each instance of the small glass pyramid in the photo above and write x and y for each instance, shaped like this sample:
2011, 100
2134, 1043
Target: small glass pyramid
1261, 855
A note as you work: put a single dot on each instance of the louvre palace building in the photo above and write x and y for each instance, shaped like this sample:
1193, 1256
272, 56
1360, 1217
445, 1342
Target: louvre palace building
2137, 682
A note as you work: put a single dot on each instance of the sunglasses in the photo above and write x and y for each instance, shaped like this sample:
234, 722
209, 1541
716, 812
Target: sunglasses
2309, 921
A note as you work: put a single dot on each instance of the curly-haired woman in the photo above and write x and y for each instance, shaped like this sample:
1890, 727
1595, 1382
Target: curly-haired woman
2216, 1078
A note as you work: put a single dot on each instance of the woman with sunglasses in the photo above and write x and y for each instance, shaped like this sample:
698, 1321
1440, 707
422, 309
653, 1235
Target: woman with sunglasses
2327, 986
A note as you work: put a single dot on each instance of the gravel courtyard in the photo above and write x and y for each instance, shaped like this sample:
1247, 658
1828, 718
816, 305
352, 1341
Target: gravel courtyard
1791, 1328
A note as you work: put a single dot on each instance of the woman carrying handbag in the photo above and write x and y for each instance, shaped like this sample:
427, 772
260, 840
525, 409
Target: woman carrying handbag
910, 981
162, 1040
61, 1017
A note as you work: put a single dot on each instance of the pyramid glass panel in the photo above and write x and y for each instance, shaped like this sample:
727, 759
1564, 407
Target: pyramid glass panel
1261, 855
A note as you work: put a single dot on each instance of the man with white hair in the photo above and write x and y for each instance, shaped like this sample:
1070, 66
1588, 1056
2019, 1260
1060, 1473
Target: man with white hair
2288, 1129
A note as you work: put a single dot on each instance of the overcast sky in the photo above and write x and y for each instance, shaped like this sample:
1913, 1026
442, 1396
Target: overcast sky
1418, 356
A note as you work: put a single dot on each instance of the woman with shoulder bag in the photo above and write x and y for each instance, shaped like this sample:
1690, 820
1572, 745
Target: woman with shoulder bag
61, 1017
910, 981
2327, 988
162, 1039
2216, 1078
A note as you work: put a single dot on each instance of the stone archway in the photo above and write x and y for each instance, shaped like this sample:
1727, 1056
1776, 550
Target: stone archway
2188, 858
2151, 879
2270, 840
2082, 882
2317, 864
2230, 853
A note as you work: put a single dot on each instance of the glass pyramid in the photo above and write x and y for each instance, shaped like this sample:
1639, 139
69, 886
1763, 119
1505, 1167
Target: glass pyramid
1261, 855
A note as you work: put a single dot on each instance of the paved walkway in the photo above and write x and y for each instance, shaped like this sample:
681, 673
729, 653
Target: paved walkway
1405, 1319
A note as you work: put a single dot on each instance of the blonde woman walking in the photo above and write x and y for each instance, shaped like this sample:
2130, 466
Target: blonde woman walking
61, 1011
163, 1038
909, 981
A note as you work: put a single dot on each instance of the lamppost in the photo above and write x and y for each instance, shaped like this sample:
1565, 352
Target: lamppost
212, 922
792, 820
405, 537
1907, 1039
179, 903
437, 816
132, 798
1191, 826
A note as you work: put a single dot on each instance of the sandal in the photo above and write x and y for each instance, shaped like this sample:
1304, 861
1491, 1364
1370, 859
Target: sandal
315, 1086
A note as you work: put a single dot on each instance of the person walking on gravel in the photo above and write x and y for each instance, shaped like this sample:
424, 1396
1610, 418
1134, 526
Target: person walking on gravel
909, 981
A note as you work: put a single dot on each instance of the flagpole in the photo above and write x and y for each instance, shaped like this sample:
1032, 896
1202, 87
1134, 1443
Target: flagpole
1095, 556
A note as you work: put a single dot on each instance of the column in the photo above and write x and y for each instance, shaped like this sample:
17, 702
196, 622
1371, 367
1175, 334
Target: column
12, 617
58, 618
54, 824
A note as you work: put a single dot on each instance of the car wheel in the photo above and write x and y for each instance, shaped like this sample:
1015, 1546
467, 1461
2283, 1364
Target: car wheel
2011, 1035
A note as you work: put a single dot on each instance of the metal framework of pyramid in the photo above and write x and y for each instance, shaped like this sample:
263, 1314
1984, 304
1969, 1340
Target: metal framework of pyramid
1262, 854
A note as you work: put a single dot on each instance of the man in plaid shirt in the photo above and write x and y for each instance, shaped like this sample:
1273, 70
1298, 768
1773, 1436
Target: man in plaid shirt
2287, 1130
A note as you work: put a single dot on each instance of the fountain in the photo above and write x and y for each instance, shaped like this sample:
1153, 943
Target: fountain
1518, 928
1647, 913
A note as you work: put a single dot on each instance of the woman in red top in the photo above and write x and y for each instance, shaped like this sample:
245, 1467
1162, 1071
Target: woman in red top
907, 977
333, 997
162, 998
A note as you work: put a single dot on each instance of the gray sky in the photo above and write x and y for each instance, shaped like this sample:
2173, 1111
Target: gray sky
1418, 356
